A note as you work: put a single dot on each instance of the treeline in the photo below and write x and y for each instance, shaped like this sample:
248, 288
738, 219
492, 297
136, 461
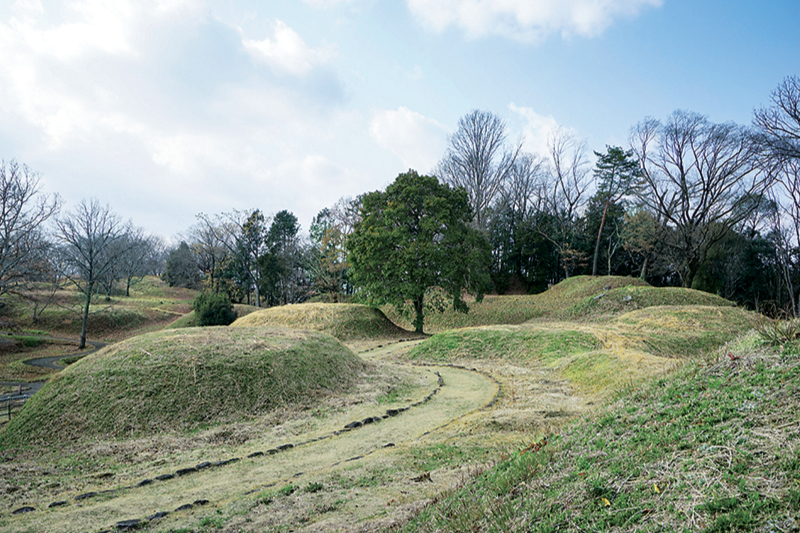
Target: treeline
265, 260
688, 202
43, 249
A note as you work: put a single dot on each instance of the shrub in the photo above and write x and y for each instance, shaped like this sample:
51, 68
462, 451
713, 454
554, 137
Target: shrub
214, 309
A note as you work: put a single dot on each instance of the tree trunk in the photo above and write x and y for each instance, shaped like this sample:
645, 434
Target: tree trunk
418, 313
89, 290
597, 243
643, 273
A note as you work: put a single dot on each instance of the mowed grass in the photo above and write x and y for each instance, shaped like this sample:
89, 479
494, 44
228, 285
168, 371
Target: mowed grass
176, 380
583, 298
596, 357
346, 322
713, 447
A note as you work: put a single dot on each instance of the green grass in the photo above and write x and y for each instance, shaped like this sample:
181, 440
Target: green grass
581, 298
714, 447
596, 357
151, 305
344, 321
180, 379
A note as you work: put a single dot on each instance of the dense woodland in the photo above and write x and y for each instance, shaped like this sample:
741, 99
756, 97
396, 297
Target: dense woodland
688, 202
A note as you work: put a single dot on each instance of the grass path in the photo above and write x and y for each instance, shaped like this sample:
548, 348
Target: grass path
463, 392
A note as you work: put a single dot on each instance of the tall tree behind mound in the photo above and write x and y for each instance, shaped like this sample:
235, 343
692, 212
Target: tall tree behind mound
178, 379
416, 236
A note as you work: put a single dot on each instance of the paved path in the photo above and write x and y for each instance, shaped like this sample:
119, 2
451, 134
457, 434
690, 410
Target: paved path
33, 387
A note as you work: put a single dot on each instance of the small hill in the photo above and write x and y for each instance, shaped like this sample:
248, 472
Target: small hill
609, 300
577, 298
179, 379
344, 321
594, 356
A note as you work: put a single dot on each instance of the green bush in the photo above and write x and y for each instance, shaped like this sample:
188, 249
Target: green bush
214, 309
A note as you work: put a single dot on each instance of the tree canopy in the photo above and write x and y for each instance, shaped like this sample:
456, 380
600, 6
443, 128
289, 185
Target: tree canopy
416, 236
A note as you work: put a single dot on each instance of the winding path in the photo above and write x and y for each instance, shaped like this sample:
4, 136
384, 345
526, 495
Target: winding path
32, 387
332, 446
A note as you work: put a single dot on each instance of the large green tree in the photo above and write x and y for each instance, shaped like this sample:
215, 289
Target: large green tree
416, 236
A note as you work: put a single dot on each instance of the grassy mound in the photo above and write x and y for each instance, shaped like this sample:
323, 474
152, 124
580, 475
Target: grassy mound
680, 331
712, 447
343, 321
577, 298
180, 379
629, 298
189, 320
593, 356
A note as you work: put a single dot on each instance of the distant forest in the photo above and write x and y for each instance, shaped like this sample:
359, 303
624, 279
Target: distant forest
689, 202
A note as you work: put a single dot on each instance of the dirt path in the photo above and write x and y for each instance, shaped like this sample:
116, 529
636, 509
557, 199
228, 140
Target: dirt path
322, 456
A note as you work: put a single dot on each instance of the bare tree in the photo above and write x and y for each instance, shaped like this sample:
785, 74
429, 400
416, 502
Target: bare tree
204, 240
243, 235
566, 195
89, 237
478, 161
695, 176
523, 187
140, 252
788, 240
779, 125
24, 210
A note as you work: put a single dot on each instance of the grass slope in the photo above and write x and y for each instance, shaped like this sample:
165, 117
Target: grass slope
179, 379
596, 357
343, 321
151, 305
714, 447
577, 298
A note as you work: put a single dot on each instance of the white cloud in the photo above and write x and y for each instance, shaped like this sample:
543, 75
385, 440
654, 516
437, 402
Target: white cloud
526, 20
287, 52
154, 107
536, 129
419, 142
326, 4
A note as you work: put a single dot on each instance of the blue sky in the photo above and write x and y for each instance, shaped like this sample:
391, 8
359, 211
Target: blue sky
167, 108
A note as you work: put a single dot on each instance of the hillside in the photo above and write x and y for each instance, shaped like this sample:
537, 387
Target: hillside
714, 447
582, 298
179, 379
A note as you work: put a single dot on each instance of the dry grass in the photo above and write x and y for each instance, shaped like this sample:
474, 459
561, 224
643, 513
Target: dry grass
346, 322
712, 448
580, 298
179, 379
250, 495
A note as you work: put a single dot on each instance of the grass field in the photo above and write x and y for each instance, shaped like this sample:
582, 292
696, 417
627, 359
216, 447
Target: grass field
578, 298
619, 407
714, 447
151, 305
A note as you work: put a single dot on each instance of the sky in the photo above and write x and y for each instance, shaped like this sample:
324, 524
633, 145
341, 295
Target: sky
163, 109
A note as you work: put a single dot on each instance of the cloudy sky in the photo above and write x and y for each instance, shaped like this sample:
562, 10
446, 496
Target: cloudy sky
167, 108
